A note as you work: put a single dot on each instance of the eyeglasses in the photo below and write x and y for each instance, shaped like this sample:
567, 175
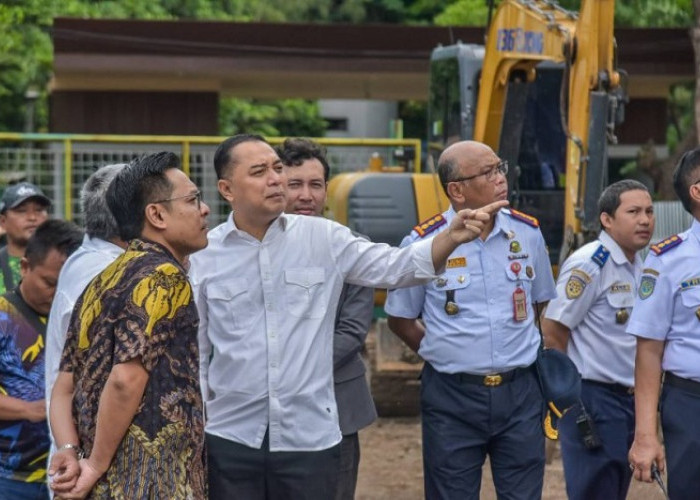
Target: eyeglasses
501, 168
197, 197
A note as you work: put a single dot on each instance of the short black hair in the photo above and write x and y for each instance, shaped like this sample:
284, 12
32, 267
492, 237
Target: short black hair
684, 176
295, 151
142, 182
609, 199
222, 157
53, 234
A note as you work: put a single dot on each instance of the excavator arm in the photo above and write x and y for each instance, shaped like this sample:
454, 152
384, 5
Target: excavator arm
524, 34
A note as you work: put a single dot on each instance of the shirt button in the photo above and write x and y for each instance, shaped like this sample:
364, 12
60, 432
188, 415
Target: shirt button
491, 301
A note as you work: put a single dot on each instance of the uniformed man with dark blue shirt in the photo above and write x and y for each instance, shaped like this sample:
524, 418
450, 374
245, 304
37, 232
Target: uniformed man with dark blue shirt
666, 323
587, 320
480, 395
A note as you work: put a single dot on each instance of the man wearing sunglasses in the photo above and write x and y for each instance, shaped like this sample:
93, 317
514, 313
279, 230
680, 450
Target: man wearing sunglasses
479, 394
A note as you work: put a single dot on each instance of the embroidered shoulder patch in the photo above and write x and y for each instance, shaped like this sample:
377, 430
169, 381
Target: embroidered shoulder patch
527, 219
576, 284
646, 287
430, 225
666, 245
600, 256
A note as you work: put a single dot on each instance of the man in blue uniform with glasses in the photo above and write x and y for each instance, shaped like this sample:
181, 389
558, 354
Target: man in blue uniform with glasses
480, 394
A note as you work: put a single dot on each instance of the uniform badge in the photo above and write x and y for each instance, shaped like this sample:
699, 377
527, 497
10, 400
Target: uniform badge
516, 268
621, 316
456, 262
646, 287
518, 256
515, 246
519, 305
575, 286
529, 271
690, 283
451, 308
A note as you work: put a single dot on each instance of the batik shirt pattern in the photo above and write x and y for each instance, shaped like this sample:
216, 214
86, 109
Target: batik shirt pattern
24, 445
141, 307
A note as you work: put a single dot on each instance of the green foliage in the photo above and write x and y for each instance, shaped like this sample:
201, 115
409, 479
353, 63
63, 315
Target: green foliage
637, 13
654, 13
271, 118
465, 13
680, 106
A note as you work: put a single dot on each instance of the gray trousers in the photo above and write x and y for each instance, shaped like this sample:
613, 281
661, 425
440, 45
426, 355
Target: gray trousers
349, 464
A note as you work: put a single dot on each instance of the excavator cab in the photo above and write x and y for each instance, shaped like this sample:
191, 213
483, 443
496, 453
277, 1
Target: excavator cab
532, 138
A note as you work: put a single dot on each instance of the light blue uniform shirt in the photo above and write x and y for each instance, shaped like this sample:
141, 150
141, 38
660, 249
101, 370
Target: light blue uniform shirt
483, 336
667, 306
595, 293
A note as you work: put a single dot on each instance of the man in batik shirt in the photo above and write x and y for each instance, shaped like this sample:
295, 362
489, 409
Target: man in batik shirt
131, 357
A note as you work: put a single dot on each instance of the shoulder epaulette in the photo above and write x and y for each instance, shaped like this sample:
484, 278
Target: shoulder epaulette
527, 219
600, 256
666, 245
428, 226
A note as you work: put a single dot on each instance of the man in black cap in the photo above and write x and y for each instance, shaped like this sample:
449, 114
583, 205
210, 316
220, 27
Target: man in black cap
22, 209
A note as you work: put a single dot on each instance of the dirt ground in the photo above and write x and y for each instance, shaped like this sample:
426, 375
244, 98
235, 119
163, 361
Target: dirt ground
391, 467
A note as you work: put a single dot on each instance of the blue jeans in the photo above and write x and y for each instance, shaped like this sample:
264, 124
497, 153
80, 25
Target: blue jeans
11, 489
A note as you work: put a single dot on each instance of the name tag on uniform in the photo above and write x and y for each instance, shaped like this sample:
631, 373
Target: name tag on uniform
690, 283
456, 262
621, 288
519, 305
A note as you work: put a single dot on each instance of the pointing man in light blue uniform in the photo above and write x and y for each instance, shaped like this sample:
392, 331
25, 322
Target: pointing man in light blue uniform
666, 322
479, 391
587, 320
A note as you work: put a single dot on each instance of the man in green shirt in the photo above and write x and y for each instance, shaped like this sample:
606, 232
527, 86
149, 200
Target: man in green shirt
22, 209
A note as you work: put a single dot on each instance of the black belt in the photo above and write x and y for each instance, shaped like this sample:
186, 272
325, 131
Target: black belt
490, 380
618, 388
682, 383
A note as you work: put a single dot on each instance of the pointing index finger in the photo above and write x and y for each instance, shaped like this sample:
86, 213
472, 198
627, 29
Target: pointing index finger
494, 207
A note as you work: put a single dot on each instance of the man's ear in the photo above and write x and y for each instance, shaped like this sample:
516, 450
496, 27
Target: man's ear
225, 189
454, 192
694, 195
154, 216
606, 220
23, 267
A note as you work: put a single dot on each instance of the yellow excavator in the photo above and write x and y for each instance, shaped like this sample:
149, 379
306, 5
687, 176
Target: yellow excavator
546, 94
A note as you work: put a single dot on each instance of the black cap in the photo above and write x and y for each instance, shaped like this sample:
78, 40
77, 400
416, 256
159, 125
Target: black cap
561, 387
16, 194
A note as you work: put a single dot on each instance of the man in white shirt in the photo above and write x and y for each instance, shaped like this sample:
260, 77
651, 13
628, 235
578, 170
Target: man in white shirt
267, 288
101, 245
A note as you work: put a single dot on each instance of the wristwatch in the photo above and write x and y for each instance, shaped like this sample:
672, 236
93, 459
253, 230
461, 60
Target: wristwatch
78, 450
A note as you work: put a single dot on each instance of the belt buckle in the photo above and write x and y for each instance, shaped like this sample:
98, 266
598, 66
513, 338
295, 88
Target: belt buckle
493, 380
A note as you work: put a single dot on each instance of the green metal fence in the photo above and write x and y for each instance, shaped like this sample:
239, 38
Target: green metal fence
60, 163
